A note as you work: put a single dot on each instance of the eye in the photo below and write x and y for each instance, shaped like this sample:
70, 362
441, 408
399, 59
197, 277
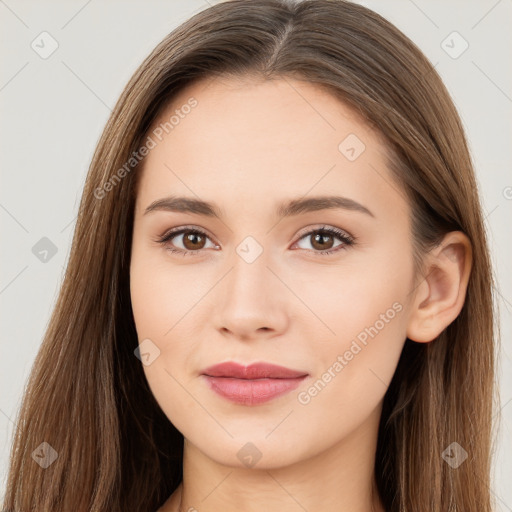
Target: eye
192, 241
322, 240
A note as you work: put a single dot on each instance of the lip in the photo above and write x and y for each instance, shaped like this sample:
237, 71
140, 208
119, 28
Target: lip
253, 384
252, 371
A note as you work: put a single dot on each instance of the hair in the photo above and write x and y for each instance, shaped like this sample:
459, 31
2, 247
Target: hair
87, 395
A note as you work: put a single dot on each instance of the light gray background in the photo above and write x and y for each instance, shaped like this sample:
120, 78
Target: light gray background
53, 111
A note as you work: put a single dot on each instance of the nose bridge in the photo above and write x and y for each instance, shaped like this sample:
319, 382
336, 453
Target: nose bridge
249, 277
249, 298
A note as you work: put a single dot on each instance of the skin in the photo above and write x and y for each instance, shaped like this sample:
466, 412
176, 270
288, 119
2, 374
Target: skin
249, 145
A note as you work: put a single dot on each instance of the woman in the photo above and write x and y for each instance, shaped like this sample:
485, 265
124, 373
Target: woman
279, 290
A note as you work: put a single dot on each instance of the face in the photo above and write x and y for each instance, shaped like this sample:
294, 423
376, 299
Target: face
266, 273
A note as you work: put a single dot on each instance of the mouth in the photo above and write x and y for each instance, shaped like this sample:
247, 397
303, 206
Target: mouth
254, 384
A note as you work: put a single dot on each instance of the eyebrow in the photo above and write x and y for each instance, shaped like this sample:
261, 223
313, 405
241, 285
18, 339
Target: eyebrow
286, 209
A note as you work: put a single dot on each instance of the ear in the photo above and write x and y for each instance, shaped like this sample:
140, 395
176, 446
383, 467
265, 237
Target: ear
439, 297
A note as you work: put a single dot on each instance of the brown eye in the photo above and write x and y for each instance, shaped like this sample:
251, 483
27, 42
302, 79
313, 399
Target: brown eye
192, 240
322, 241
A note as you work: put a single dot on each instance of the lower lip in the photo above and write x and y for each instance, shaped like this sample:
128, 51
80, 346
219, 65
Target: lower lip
252, 392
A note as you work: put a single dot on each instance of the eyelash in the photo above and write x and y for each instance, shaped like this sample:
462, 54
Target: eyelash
347, 239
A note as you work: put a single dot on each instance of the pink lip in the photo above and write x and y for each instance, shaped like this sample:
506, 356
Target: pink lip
253, 384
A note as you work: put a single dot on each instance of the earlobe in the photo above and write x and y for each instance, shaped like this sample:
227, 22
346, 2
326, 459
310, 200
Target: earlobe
440, 296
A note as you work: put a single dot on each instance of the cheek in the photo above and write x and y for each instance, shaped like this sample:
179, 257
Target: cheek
161, 292
353, 371
157, 309
163, 299
365, 309
346, 299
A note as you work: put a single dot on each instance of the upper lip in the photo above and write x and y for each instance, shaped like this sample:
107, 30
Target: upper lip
252, 371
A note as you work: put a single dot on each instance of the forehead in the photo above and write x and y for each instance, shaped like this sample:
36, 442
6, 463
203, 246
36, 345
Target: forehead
256, 111
260, 139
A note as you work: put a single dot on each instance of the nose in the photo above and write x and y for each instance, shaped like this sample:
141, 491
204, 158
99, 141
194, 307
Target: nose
251, 302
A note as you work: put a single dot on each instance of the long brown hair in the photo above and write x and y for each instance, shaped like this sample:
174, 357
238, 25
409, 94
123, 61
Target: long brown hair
87, 396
